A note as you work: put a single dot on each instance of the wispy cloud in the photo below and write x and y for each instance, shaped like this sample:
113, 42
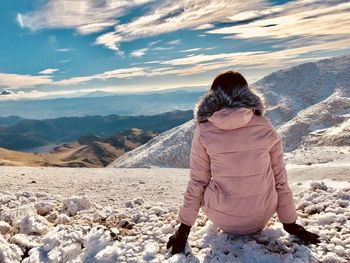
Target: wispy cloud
170, 16
64, 61
85, 16
117, 73
174, 42
204, 26
139, 52
190, 50
154, 42
15, 81
162, 48
301, 19
48, 71
63, 49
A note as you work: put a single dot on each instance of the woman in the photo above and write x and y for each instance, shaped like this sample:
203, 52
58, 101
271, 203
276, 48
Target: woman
237, 172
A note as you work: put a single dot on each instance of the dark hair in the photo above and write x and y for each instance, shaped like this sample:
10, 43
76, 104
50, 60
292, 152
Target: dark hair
228, 81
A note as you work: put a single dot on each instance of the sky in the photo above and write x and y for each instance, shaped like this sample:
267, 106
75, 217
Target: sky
62, 47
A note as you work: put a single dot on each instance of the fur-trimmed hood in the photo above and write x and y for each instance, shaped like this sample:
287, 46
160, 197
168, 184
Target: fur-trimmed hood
213, 101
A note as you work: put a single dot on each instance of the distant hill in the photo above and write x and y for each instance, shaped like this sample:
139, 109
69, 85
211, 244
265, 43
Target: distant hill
100, 103
87, 151
28, 134
10, 120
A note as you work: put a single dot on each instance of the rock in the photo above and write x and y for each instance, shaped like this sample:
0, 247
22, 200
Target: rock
62, 219
76, 203
51, 217
15, 215
25, 242
4, 227
43, 208
124, 223
34, 225
9, 253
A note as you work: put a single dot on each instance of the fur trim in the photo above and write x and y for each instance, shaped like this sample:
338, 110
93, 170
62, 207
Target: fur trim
216, 100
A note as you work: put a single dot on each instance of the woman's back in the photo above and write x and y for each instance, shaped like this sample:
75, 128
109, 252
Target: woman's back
238, 144
237, 170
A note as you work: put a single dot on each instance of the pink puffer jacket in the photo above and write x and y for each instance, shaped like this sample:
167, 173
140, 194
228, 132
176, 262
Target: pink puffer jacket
237, 172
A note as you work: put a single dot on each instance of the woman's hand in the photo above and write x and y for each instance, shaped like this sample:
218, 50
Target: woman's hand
305, 236
179, 239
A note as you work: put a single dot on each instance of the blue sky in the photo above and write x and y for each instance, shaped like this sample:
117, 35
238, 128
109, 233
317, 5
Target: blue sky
59, 47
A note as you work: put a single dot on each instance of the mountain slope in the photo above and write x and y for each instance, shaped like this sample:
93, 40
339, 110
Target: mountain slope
326, 114
320, 91
169, 149
338, 135
88, 151
291, 90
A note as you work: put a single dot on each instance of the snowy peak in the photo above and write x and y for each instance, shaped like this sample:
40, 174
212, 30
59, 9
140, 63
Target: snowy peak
323, 116
291, 90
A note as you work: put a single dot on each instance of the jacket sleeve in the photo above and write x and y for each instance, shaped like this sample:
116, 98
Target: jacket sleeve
200, 176
286, 210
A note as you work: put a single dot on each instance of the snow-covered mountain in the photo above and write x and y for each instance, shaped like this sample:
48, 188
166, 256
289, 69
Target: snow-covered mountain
301, 100
169, 149
334, 136
289, 91
327, 115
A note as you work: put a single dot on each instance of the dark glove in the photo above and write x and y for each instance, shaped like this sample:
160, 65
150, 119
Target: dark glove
179, 239
305, 236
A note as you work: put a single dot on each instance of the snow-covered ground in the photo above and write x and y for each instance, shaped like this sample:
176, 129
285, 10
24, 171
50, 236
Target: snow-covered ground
42, 228
126, 215
112, 186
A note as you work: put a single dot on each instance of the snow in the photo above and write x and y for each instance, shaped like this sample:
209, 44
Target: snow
9, 253
169, 149
75, 204
139, 232
327, 114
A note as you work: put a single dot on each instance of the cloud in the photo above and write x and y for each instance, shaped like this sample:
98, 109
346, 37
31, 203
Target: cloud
64, 61
85, 16
162, 48
154, 42
139, 52
190, 50
123, 73
15, 81
63, 49
174, 42
192, 60
48, 71
169, 16
303, 19
201, 63
204, 26
254, 14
